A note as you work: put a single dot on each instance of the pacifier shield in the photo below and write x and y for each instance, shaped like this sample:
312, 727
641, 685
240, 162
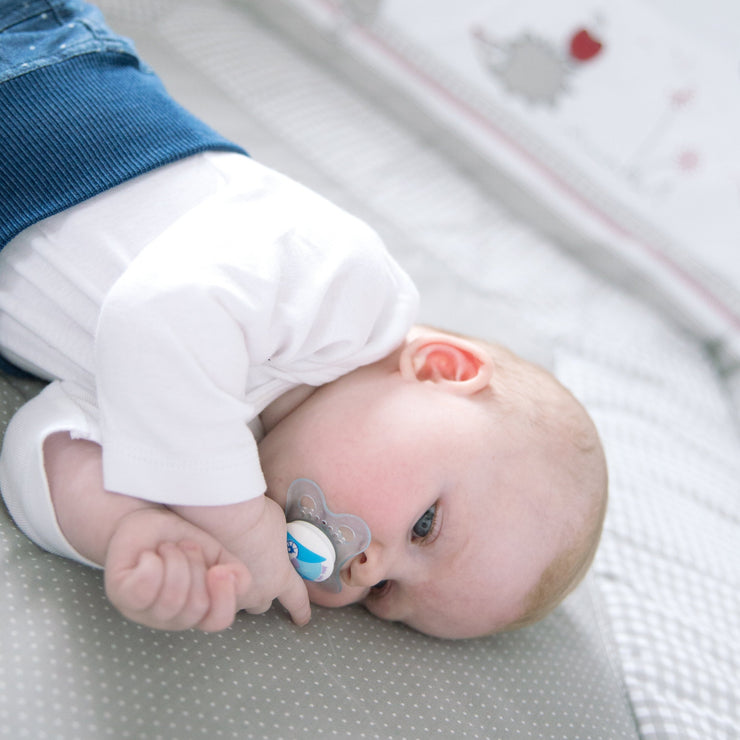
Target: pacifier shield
320, 542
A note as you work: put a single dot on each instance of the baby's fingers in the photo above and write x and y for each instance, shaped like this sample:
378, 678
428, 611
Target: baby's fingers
175, 590
183, 599
224, 582
165, 589
135, 589
295, 599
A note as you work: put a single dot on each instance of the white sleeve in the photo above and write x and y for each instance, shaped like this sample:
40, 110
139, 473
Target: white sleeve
219, 316
23, 481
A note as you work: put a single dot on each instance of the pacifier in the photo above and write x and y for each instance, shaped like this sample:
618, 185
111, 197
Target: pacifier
320, 542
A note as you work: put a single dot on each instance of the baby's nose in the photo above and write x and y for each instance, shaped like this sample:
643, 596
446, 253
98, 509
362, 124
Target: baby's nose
368, 568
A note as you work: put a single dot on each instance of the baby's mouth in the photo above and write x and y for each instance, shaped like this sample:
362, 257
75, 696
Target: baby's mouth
380, 588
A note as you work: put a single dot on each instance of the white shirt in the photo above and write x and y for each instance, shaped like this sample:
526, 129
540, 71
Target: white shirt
174, 308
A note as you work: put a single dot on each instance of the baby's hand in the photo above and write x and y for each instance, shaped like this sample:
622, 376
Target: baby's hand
165, 573
255, 532
265, 551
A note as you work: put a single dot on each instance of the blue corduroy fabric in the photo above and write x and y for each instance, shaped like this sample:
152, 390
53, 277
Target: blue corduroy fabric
73, 129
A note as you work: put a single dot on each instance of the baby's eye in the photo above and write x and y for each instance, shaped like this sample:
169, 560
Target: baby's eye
423, 528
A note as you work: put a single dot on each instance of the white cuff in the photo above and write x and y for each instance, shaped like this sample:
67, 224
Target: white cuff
23, 481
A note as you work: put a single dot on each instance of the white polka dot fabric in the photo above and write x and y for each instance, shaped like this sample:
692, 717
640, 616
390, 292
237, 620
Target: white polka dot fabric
648, 647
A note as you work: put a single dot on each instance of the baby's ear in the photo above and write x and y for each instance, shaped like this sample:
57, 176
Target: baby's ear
448, 361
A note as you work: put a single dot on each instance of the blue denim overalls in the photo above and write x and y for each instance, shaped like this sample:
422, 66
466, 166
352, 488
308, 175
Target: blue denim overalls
79, 112
36, 33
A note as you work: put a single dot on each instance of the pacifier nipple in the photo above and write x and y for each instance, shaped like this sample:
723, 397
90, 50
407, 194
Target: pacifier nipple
320, 542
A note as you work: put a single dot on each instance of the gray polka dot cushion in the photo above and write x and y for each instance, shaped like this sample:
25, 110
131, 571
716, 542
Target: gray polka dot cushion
71, 667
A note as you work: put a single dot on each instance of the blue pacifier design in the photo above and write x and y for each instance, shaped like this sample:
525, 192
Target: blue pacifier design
320, 542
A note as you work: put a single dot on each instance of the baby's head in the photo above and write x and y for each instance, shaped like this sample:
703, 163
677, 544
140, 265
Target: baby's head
481, 478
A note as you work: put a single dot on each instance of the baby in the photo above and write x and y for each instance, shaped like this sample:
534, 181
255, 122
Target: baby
213, 332
481, 479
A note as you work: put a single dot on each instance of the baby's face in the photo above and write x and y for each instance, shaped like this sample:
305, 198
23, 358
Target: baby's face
464, 511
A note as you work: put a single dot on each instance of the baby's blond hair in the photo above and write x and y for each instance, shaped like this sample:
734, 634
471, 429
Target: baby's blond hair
554, 413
